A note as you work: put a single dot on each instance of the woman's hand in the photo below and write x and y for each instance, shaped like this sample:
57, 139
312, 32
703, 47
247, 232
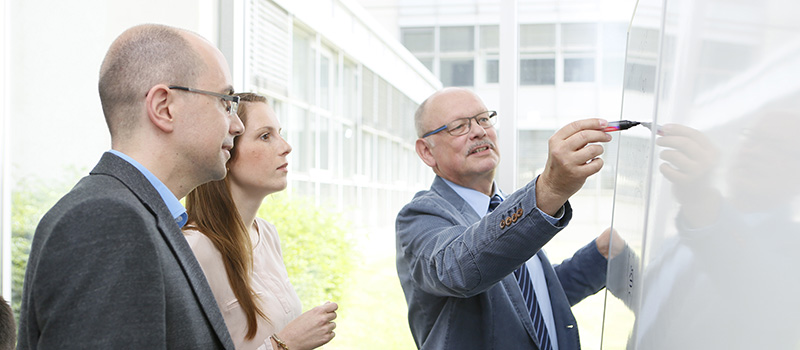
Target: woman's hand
310, 330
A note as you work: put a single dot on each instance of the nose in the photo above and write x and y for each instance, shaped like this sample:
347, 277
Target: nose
236, 127
287, 148
476, 131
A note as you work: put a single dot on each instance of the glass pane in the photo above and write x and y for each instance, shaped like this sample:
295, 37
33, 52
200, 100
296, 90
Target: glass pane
532, 153
349, 160
303, 67
578, 69
646, 75
366, 161
537, 37
324, 81
537, 71
368, 97
383, 118
490, 37
578, 34
350, 93
457, 72
324, 142
456, 39
418, 39
492, 70
301, 137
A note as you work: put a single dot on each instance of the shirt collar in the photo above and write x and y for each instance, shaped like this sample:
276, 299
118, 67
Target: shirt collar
477, 200
175, 207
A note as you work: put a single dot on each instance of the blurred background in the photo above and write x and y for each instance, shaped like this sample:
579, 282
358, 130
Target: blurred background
345, 78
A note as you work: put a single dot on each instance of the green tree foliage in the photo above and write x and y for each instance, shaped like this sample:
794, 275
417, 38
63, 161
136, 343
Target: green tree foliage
316, 244
30, 199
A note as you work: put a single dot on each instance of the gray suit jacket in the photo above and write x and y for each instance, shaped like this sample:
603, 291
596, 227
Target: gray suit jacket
110, 269
456, 270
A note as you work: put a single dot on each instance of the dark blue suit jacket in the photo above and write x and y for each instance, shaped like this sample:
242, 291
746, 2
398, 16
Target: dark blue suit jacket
456, 270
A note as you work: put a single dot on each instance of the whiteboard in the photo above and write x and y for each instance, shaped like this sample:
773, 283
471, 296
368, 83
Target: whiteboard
707, 200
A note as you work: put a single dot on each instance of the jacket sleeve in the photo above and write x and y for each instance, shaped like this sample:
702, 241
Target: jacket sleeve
583, 274
443, 254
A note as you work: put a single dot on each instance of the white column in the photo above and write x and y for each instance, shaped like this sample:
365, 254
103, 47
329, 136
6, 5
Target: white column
5, 173
507, 109
231, 40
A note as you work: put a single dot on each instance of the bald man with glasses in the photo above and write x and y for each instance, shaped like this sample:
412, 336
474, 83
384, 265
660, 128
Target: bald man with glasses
109, 267
469, 256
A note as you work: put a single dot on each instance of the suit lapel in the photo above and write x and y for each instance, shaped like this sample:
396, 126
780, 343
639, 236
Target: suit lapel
130, 176
565, 323
450, 195
520, 307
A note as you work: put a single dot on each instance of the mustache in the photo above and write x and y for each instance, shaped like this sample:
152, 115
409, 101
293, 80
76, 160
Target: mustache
479, 144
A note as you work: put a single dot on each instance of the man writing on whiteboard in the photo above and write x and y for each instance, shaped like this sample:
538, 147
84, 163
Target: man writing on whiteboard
468, 255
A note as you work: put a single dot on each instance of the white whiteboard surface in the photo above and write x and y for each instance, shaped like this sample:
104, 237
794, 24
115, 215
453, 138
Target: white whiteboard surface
709, 205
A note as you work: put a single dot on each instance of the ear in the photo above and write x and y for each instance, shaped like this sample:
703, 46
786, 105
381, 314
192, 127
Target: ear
424, 151
158, 102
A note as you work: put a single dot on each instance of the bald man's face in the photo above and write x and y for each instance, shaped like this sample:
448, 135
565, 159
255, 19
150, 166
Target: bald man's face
464, 158
210, 129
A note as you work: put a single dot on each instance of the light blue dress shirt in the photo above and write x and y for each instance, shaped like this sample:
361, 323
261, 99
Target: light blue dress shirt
175, 207
480, 203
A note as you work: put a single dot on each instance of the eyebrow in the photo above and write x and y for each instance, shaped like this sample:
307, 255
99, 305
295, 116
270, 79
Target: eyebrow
267, 128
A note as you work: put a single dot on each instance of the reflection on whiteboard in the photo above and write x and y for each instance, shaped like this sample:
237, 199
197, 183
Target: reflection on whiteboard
709, 208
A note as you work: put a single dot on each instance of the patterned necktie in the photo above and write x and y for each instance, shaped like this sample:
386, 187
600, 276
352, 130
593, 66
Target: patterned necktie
526, 287
494, 202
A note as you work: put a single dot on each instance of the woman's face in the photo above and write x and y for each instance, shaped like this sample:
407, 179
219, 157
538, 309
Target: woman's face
260, 165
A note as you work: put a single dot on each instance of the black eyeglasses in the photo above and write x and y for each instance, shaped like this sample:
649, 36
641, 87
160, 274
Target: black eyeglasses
461, 126
231, 102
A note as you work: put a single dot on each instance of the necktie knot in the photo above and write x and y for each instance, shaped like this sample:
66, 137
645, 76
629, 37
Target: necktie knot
494, 202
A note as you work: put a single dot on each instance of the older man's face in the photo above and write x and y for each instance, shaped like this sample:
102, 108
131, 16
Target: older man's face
464, 158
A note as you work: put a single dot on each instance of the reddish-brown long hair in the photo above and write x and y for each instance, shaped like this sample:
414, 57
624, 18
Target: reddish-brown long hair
213, 212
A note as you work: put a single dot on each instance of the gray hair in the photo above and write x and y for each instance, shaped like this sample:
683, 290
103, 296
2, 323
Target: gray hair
419, 116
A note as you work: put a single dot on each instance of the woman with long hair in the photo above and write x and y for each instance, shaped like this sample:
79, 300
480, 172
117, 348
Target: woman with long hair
240, 254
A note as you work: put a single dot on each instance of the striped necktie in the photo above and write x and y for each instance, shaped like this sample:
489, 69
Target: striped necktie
526, 287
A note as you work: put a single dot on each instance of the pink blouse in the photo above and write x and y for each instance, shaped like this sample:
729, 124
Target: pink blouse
270, 282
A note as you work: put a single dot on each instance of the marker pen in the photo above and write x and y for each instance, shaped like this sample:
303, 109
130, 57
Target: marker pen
620, 125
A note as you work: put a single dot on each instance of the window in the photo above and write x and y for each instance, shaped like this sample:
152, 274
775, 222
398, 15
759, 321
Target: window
578, 45
490, 38
537, 37
418, 40
456, 72
533, 71
492, 70
303, 66
537, 64
368, 97
325, 72
578, 69
350, 93
490, 48
421, 42
457, 39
